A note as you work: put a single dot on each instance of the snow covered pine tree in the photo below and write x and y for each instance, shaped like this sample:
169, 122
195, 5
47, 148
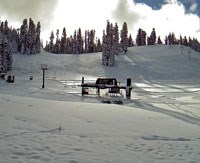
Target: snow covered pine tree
108, 49
29, 39
124, 38
5, 54
141, 38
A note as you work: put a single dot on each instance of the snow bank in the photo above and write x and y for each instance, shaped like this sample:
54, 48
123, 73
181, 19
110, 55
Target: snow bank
91, 133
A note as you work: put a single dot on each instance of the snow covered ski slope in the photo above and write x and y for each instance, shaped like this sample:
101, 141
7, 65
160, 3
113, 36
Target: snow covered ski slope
160, 123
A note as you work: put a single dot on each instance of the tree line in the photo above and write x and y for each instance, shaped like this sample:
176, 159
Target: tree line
77, 43
142, 39
73, 44
24, 40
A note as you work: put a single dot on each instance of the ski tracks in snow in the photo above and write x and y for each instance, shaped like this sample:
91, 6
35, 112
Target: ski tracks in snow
180, 103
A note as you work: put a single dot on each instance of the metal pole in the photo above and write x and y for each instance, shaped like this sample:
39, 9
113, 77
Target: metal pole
43, 77
82, 86
43, 67
189, 55
128, 88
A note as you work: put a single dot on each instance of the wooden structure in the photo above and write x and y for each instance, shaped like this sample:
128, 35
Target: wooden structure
107, 83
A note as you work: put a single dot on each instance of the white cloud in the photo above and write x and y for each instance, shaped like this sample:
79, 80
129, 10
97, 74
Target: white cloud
93, 14
170, 18
38, 10
87, 14
125, 12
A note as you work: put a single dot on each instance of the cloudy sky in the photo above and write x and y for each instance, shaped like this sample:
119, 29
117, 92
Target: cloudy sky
178, 16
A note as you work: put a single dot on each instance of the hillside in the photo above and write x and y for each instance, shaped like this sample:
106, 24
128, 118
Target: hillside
159, 74
141, 63
160, 123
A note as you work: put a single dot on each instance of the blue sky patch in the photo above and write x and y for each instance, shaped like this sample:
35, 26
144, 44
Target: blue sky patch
157, 4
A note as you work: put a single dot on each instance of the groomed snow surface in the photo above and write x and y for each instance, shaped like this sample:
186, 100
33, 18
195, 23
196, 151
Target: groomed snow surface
159, 124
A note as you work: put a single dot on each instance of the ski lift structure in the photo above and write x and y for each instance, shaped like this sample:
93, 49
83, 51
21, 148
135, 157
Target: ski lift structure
107, 83
44, 68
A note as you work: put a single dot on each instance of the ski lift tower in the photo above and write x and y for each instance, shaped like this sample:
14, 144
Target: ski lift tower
44, 68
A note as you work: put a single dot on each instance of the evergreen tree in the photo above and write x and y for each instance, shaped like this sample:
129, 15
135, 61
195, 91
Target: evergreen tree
108, 55
190, 42
86, 41
14, 41
23, 36
130, 41
181, 40
141, 38
74, 44
166, 40
63, 42
47, 46
159, 40
112, 46
170, 39
6, 30
124, 38
70, 45
152, 39
31, 38
91, 43
5, 54
116, 40
79, 42
185, 41
2, 27
104, 53
99, 45
38, 43
173, 39
51, 44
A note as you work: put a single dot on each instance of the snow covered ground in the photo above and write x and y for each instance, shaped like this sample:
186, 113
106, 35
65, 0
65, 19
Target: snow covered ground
160, 123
